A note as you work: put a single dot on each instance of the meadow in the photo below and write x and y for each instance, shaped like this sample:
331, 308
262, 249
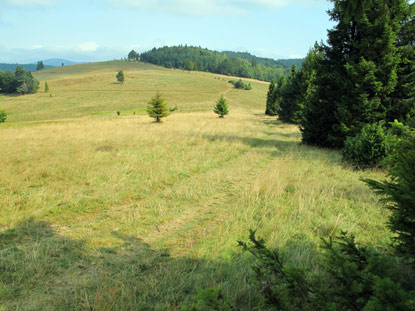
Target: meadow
107, 212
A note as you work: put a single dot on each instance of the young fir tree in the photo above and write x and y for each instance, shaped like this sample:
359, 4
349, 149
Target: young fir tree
46, 87
120, 76
157, 108
221, 107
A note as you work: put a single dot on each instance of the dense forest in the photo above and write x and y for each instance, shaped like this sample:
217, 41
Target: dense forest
196, 58
269, 62
21, 81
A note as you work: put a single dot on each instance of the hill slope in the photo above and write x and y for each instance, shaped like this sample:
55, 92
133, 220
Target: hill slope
91, 89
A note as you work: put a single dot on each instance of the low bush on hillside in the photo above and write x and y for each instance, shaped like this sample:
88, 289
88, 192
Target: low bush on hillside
372, 146
239, 84
3, 116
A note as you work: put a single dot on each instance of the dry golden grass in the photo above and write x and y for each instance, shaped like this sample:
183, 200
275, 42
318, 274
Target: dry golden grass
120, 213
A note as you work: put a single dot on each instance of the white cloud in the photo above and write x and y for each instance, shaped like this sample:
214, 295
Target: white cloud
36, 47
27, 3
88, 47
207, 7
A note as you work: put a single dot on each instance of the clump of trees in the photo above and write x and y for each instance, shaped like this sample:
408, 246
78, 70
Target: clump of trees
21, 82
157, 108
362, 76
239, 84
221, 108
196, 58
40, 65
3, 116
120, 76
133, 55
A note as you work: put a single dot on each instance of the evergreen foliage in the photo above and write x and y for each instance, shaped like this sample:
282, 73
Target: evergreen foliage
157, 108
133, 55
270, 110
399, 193
196, 58
364, 76
40, 65
368, 148
221, 107
239, 84
25, 82
120, 76
3, 116
300, 88
46, 87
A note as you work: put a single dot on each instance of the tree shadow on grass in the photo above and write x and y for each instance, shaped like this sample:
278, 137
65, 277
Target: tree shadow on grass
43, 270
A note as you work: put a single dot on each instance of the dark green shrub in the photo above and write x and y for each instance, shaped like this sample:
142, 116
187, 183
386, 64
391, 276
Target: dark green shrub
3, 116
241, 85
368, 148
399, 193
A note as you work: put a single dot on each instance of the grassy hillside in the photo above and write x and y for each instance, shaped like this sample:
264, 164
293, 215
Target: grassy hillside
91, 89
100, 212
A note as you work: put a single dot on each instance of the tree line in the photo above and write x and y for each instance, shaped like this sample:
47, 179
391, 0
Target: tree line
21, 81
363, 77
196, 58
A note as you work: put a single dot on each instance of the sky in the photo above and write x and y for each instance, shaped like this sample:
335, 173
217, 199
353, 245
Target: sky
99, 30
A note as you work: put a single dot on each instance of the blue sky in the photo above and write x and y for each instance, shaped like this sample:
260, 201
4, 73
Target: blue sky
97, 30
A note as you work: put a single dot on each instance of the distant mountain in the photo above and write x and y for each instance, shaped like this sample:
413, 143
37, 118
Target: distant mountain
28, 67
55, 62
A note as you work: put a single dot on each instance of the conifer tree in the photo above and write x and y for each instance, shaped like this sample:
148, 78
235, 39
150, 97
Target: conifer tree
221, 107
157, 108
40, 65
359, 72
120, 76
269, 109
46, 87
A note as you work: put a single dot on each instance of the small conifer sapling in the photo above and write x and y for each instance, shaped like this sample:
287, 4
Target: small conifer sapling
221, 107
120, 76
157, 108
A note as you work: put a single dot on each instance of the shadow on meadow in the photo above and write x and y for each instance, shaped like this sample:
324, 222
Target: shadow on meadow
42, 270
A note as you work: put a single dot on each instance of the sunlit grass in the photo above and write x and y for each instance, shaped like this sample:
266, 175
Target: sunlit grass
119, 213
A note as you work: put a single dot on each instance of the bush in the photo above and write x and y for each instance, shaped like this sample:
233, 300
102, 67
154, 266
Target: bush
350, 277
368, 148
241, 85
3, 116
399, 193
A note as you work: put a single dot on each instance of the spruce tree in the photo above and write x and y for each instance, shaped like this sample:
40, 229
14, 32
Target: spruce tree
157, 108
221, 107
359, 72
46, 87
120, 76
269, 109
